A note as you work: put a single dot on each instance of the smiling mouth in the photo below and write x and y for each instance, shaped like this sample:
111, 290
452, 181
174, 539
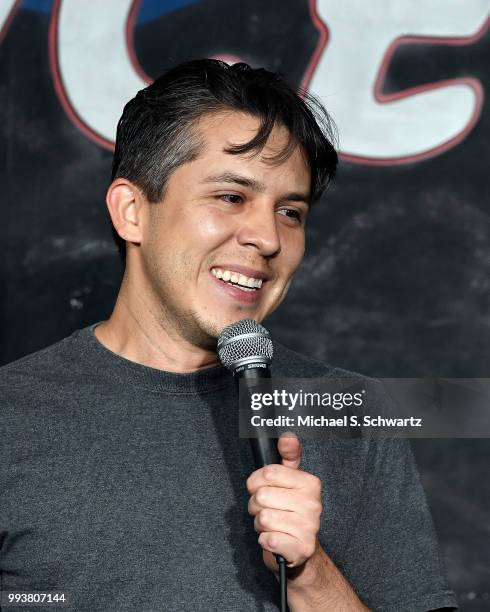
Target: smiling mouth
248, 284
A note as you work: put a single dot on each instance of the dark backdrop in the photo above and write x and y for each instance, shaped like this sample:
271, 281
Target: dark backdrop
396, 277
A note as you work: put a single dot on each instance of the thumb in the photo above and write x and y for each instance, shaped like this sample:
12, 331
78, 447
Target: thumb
289, 448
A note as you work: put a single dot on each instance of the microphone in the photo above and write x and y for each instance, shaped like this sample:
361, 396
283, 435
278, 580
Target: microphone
246, 349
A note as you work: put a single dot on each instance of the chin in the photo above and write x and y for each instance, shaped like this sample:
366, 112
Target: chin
207, 330
212, 329
202, 332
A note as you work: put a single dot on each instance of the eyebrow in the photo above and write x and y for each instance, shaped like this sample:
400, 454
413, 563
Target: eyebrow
254, 185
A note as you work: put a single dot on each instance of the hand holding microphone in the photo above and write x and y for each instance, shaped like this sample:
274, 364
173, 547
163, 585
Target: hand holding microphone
286, 504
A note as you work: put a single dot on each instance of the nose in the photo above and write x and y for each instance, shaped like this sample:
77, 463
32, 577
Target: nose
258, 228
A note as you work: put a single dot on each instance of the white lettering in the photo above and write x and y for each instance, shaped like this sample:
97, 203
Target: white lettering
361, 35
95, 68
7, 10
293, 399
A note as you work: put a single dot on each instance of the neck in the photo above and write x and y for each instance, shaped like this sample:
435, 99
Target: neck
135, 332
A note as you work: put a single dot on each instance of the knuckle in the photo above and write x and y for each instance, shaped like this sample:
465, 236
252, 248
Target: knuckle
316, 484
265, 518
314, 506
308, 549
261, 496
315, 525
270, 471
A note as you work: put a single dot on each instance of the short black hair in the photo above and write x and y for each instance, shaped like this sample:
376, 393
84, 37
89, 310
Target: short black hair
156, 132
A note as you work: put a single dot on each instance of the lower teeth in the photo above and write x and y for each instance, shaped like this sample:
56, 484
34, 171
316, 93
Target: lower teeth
240, 286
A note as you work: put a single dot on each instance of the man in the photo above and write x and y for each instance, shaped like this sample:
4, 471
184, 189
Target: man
123, 481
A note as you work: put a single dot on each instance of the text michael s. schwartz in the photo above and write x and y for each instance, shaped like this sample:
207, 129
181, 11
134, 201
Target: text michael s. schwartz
284, 399
323, 421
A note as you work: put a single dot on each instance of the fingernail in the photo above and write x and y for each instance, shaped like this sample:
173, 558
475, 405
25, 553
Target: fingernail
288, 434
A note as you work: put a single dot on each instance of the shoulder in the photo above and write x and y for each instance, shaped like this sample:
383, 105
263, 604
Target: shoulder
59, 361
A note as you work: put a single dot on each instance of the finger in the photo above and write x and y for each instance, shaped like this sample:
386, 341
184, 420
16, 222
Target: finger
296, 553
289, 448
299, 527
276, 499
275, 475
284, 499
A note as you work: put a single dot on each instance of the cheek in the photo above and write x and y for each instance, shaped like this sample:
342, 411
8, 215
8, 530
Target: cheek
293, 246
211, 226
192, 234
206, 230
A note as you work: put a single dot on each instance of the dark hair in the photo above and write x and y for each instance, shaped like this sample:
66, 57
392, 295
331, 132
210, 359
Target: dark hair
156, 134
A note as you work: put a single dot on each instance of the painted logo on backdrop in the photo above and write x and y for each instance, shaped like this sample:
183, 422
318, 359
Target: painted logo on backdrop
95, 69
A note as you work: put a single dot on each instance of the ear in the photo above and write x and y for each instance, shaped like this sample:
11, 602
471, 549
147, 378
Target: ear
125, 203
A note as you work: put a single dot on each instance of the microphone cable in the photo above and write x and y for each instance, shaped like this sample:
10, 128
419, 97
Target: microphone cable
283, 583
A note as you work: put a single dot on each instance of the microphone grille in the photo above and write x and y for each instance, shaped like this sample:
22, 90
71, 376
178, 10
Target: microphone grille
244, 341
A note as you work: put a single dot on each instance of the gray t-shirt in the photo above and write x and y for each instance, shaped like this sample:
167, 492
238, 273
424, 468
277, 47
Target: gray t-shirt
125, 486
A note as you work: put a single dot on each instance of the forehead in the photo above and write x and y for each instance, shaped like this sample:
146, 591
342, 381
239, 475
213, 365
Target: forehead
219, 131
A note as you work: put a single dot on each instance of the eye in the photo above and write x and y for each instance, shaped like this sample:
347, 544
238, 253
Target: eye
292, 213
232, 198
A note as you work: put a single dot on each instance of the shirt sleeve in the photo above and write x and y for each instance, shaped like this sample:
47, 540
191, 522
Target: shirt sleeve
392, 556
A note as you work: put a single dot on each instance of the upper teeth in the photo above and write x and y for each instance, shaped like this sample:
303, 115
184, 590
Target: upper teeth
239, 279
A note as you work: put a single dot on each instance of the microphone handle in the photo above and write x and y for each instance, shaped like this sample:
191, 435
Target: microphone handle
264, 450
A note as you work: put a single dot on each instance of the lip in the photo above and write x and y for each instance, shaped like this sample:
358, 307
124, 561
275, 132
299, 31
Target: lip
243, 270
248, 297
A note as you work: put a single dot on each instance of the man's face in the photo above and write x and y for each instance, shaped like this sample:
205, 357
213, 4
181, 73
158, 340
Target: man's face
225, 241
